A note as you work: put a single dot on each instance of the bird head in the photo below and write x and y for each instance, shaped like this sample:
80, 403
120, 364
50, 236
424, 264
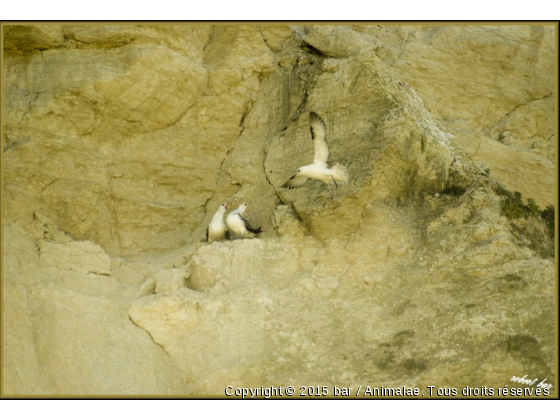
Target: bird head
302, 170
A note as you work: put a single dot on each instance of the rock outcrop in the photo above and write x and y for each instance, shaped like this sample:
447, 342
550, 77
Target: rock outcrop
120, 141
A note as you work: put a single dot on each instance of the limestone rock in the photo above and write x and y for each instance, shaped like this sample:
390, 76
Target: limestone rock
290, 228
21, 255
35, 37
169, 317
86, 345
227, 266
167, 280
507, 163
84, 256
497, 79
380, 126
22, 367
68, 335
338, 41
147, 288
275, 36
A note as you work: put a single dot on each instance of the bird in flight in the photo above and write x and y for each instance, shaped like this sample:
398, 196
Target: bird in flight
318, 169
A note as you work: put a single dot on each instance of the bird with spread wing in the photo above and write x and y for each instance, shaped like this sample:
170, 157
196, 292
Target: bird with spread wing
319, 168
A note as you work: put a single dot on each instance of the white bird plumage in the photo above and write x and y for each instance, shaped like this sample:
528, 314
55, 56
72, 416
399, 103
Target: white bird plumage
319, 168
237, 224
217, 229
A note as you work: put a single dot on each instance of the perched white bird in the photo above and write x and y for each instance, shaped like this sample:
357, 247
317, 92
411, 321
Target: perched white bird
237, 224
318, 169
217, 229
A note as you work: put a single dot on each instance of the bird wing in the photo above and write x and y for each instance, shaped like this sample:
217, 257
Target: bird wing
319, 137
248, 226
295, 182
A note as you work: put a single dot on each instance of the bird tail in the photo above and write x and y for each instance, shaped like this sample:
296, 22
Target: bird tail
340, 173
255, 231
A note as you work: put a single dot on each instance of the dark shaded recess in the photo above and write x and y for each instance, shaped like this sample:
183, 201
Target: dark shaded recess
311, 49
453, 191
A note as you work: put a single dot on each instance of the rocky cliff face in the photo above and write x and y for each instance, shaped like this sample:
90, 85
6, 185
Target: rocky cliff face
120, 143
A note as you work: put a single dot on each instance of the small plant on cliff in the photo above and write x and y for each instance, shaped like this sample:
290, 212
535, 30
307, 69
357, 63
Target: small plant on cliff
548, 215
513, 206
532, 207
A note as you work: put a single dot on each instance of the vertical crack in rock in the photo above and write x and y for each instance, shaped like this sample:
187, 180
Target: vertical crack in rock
265, 41
149, 334
29, 107
487, 111
205, 208
298, 112
45, 62
310, 82
88, 133
266, 175
64, 37
478, 147
231, 180
298, 215
302, 105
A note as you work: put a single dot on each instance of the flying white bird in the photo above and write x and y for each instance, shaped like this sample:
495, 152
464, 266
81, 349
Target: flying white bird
318, 169
237, 224
217, 229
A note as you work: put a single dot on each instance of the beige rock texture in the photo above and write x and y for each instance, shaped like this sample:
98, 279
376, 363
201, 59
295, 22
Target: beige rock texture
120, 142
494, 91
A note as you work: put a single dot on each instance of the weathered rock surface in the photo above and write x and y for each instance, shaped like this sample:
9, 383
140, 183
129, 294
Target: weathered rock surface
120, 142
494, 90
68, 333
83, 256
